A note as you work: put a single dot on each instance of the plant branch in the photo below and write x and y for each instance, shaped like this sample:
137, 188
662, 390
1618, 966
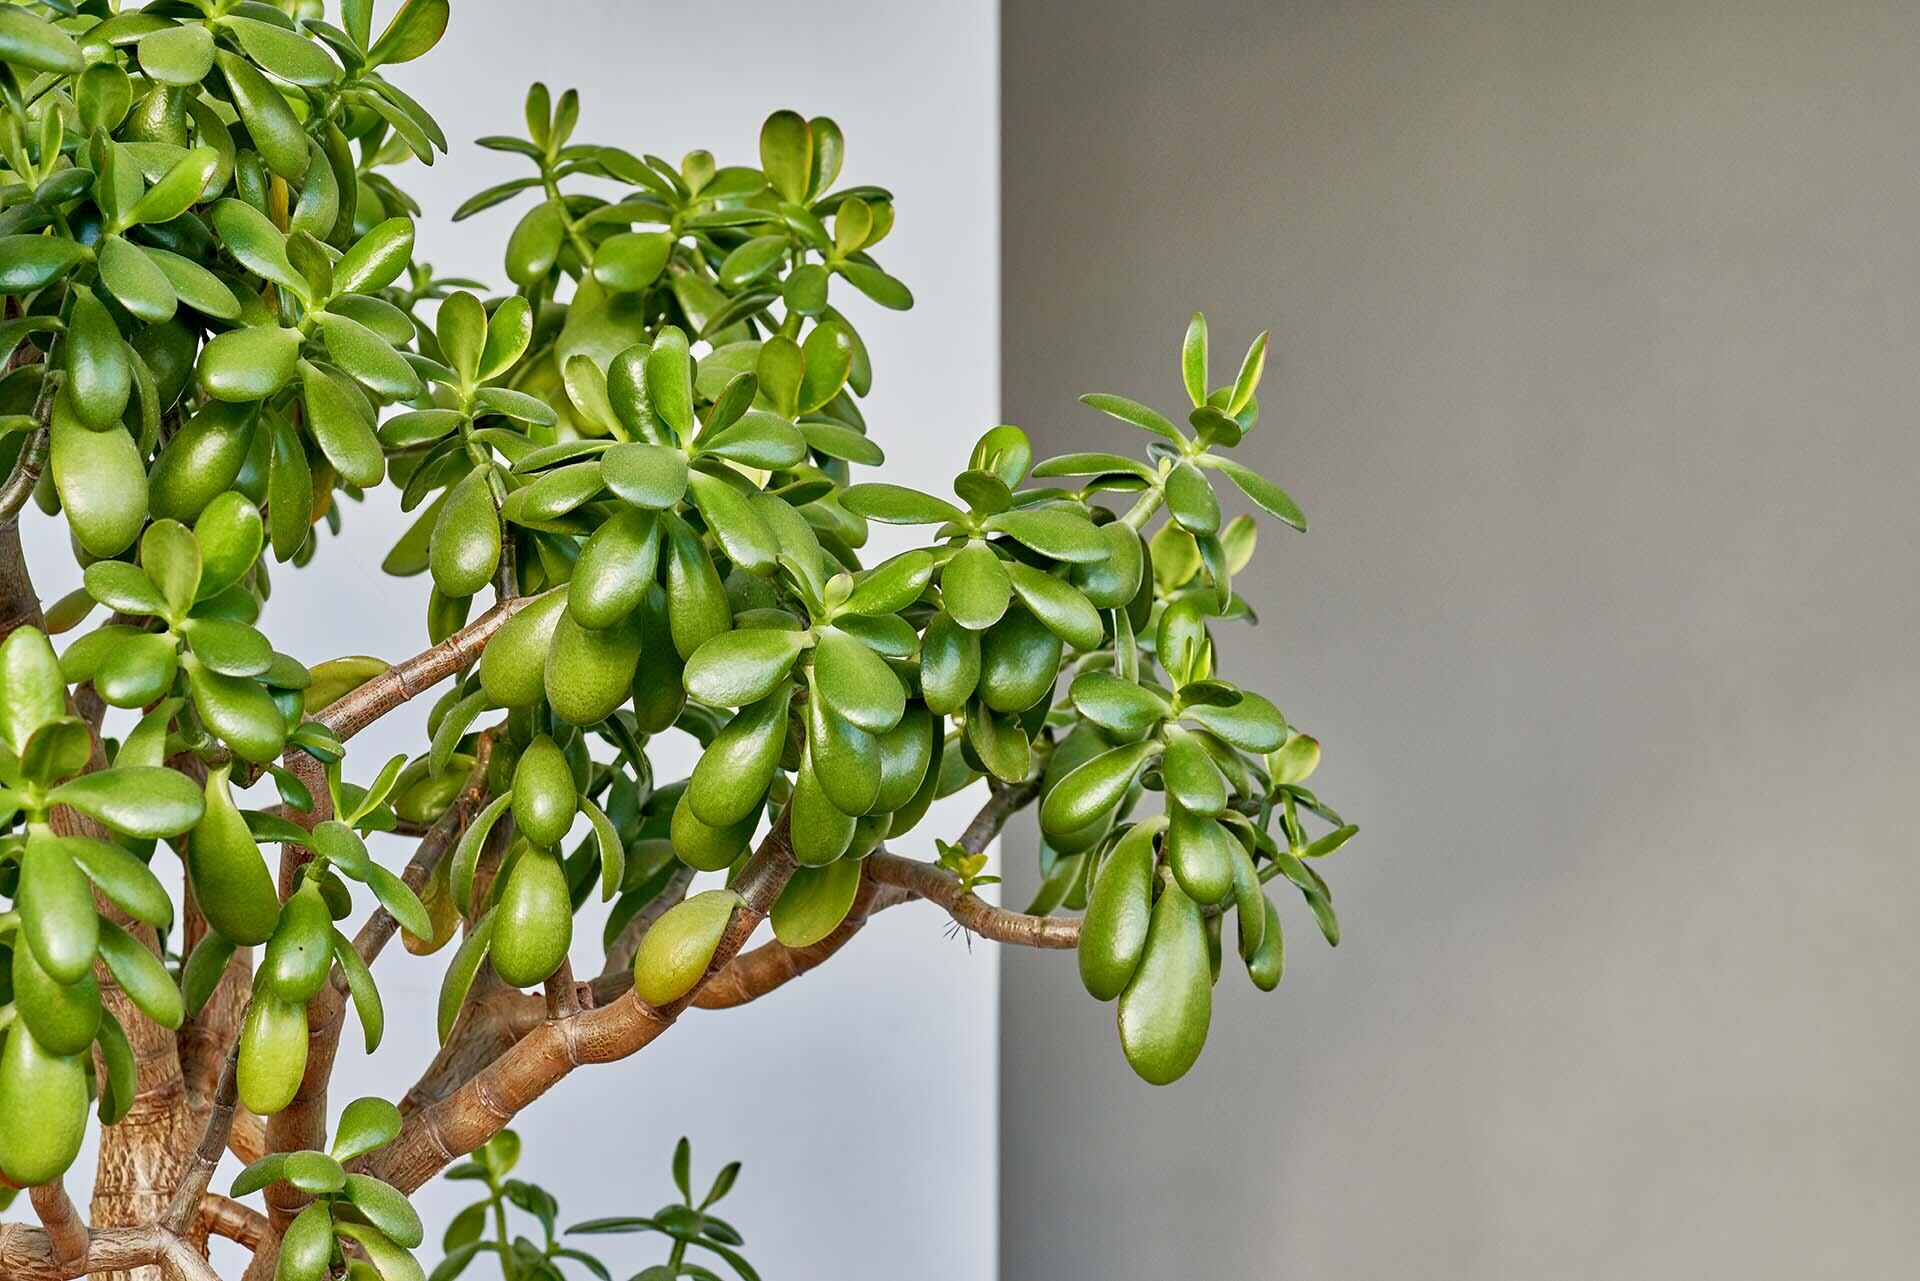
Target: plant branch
365, 704
66, 1231
474, 1113
772, 965
223, 1216
213, 1145
1003, 925
29, 1254
33, 454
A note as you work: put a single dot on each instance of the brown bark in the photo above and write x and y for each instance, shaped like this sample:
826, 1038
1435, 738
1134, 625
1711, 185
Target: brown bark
479, 1109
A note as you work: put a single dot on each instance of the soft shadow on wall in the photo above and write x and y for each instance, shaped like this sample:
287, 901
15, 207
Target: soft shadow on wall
1593, 334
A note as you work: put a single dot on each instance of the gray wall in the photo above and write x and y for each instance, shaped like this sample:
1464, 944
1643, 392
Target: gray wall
1596, 331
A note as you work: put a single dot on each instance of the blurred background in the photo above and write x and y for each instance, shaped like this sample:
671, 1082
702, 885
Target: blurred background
1594, 368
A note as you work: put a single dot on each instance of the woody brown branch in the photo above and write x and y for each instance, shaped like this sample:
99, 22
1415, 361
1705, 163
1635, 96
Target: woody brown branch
479, 1109
28, 1254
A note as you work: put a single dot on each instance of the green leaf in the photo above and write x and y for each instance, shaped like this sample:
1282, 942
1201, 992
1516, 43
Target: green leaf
1064, 609
415, 29
838, 441
1093, 789
815, 901
368, 358
1052, 531
877, 285
259, 1174
613, 855
386, 1208
366, 996
284, 53
1091, 465
1119, 705
1191, 777
975, 586
1190, 499
741, 667
390, 1262
141, 976
99, 377
178, 190
35, 44
377, 259
1248, 380
1261, 490
192, 284
632, 260
276, 131
1193, 360
891, 586
1132, 411
534, 246
135, 800
122, 880
32, 262
259, 246
670, 381
758, 439
650, 476
856, 682
786, 154
898, 505
461, 971
400, 901
342, 432
466, 855
249, 364
517, 405
1253, 724
509, 330
180, 56
202, 974
735, 525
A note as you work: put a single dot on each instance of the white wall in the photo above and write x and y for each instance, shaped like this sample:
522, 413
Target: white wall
861, 1099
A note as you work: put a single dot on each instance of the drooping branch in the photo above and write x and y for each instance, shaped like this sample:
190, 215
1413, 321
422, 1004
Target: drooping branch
29, 1254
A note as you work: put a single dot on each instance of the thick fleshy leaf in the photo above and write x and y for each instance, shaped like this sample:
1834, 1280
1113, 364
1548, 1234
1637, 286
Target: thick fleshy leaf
898, 505
856, 682
1051, 531
1261, 490
1065, 610
740, 667
135, 800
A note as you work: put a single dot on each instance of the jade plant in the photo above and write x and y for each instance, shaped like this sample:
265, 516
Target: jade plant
637, 480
